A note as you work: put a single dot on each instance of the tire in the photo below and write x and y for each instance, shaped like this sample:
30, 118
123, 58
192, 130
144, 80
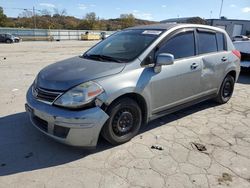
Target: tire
226, 90
8, 41
125, 119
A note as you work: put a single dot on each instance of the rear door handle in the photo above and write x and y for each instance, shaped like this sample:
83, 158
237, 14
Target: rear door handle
194, 66
224, 59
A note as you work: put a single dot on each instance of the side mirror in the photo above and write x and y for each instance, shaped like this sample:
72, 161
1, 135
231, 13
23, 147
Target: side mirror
164, 59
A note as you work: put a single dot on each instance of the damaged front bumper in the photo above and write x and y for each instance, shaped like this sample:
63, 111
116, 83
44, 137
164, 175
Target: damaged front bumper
75, 128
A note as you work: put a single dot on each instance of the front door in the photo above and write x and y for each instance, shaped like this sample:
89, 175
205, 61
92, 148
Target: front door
178, 83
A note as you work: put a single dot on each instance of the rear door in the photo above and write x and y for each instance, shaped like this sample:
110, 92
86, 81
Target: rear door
180, 82
212, 49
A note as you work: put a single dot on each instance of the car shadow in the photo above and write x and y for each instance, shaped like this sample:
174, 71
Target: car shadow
23, 148
244, 77
178, 115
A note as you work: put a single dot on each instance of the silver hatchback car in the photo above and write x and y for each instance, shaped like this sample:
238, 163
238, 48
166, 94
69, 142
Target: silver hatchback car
130, 78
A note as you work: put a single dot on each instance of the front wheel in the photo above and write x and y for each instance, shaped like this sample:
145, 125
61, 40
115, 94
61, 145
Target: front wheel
226, 90
8, 41
124, 121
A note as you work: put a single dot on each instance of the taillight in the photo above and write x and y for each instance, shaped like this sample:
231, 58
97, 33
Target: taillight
237, 53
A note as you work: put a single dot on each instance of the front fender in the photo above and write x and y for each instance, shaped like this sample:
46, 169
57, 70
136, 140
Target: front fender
108, 99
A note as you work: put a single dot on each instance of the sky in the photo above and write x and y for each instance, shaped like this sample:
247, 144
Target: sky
155, 10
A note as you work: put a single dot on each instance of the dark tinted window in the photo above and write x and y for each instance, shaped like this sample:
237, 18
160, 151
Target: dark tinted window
181, 45
220, 41
207, 42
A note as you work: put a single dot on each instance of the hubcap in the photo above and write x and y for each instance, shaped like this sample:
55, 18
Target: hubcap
123, 122
227, 91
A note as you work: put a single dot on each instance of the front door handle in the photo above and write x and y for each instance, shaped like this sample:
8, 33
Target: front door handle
194, 66
224, 59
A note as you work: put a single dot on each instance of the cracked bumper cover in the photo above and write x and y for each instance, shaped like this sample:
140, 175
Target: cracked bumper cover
78, 128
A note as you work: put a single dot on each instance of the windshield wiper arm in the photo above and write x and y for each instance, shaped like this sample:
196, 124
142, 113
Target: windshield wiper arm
92, 56
109, 58
102, 57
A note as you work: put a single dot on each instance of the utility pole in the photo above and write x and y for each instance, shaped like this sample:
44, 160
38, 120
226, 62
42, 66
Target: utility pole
34, 15
221, 7
33, 11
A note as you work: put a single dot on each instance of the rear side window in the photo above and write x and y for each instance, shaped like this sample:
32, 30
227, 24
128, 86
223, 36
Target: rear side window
181, 46
221, 41
207, 42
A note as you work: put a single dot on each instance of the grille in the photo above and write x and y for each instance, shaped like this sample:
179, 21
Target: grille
40, 123
45, 95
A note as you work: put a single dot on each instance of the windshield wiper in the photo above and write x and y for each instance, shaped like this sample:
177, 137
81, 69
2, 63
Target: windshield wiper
102, 58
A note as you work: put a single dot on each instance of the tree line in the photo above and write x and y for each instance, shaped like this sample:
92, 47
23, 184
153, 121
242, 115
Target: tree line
58, 19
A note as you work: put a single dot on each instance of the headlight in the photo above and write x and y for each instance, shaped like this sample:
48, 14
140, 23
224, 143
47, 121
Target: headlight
80, 95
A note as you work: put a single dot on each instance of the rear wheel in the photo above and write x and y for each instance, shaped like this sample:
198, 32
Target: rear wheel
124, 121
226, 90
8, 41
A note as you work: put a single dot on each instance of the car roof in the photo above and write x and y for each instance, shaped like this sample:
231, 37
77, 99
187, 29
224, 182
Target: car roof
161, 26
167, 26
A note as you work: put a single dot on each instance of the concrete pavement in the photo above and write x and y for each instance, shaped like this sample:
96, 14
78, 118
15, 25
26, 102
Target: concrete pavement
29, 159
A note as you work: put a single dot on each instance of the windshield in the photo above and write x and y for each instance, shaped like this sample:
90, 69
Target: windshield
9, 35
123, 46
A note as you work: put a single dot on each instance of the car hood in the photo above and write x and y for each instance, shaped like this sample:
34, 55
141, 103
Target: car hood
68, 73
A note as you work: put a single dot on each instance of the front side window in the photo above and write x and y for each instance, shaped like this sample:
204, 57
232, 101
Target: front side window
123, 46
182, 45
207, 42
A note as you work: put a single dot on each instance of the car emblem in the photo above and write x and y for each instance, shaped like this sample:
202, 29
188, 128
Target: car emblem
35, 92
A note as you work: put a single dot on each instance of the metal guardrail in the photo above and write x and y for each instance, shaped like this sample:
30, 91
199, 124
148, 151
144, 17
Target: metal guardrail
48, 34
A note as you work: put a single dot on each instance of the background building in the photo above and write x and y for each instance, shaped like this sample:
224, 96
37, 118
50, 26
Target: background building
232, 26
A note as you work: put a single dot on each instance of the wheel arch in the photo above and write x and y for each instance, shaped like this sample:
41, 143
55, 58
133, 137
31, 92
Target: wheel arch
137, 98
232, 73
224, 99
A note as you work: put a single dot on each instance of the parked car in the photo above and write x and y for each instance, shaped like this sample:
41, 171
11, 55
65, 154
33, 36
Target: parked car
240, 38
244, 48
130, 78
8, 38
